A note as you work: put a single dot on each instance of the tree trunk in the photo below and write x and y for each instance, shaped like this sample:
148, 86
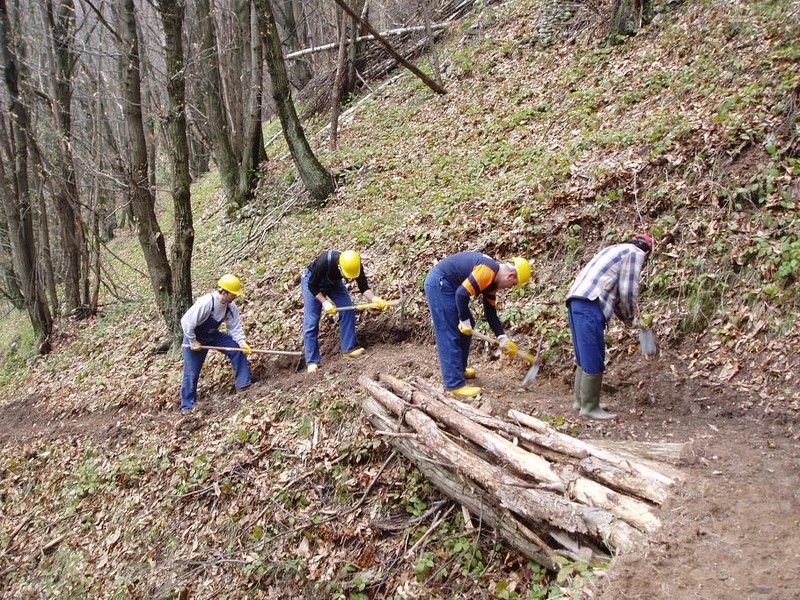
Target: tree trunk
60, 20
253, 135
317, 180
142, 198
627, 17
18, 208
44, 244
301, 69
359, 6
511, 491
338, 80
172, 15
474, 499
217, 119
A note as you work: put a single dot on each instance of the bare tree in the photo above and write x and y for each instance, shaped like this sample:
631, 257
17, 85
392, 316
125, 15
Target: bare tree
317, 180
18, 210
234, 141
141, 195
172, 16
60, 22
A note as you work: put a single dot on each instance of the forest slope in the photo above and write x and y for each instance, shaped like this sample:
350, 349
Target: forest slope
688, 130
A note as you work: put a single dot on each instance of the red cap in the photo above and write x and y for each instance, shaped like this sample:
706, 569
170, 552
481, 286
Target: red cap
645, 240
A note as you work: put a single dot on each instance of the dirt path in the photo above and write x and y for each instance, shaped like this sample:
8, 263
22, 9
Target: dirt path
733, 531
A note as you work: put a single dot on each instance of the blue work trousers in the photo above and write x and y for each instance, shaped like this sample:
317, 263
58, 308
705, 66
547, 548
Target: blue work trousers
193, 361
588, 326
452, 345
312, 310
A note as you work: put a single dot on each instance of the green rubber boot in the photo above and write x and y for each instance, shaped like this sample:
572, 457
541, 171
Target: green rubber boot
577, 385
590, 398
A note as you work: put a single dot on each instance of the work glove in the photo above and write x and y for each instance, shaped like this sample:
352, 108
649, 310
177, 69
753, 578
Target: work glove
507, 347
329, 307
465, 327
195, 345
246, 349
380, 303
644, 322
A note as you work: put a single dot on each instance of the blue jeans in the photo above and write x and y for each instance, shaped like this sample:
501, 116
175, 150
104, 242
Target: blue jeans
312, 310
452, 345
193, 361
588, 326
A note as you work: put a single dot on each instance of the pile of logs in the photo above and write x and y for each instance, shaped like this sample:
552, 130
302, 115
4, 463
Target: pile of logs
546, 493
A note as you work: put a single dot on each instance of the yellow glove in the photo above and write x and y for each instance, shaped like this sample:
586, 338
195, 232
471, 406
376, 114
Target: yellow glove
328, 307
380, 303
647, 321
195, 345
246, 349
507, 347
465, 327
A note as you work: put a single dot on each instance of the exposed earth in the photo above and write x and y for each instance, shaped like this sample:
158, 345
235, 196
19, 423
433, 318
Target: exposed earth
731, 532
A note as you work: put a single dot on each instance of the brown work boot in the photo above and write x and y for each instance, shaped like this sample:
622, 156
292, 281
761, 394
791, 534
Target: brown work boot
354, 353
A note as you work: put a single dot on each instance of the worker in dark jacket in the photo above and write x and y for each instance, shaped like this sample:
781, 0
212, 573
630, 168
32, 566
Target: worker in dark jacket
606, 287
200, 327
324, 290
449, 286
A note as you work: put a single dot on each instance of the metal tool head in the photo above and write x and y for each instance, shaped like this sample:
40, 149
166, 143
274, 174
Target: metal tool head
534, 370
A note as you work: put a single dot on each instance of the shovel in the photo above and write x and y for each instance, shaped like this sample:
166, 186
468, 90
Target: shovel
647, 339
253, 350
526, 356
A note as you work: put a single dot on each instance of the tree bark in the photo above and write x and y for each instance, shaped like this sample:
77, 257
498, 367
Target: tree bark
18, 207
172, 17
219, 126
301, 69
627, 17
474, 499
317, 180
142, 198
60, 21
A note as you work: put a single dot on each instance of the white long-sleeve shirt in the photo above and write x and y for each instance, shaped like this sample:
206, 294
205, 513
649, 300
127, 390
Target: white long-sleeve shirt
225, 313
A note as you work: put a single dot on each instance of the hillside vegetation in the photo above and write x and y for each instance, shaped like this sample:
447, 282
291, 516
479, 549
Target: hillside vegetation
688, 130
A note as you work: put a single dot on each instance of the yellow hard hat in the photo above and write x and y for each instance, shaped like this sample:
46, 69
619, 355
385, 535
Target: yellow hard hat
350, 264
230, 283
523, 270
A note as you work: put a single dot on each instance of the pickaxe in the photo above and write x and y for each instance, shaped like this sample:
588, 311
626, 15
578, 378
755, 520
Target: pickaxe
365, 306
253, 350
534, 361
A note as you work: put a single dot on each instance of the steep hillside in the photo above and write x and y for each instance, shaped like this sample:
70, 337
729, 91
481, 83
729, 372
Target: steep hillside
688, 130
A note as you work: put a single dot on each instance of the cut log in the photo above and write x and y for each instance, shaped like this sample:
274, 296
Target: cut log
511, 492
474, 499
517, 459
560, 448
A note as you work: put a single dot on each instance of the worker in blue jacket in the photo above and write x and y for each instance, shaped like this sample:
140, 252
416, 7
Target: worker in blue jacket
449, 286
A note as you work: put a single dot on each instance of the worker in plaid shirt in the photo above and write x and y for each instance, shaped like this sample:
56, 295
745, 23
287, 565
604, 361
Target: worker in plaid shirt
606, 287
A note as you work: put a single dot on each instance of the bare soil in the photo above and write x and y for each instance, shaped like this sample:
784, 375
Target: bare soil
731, 532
